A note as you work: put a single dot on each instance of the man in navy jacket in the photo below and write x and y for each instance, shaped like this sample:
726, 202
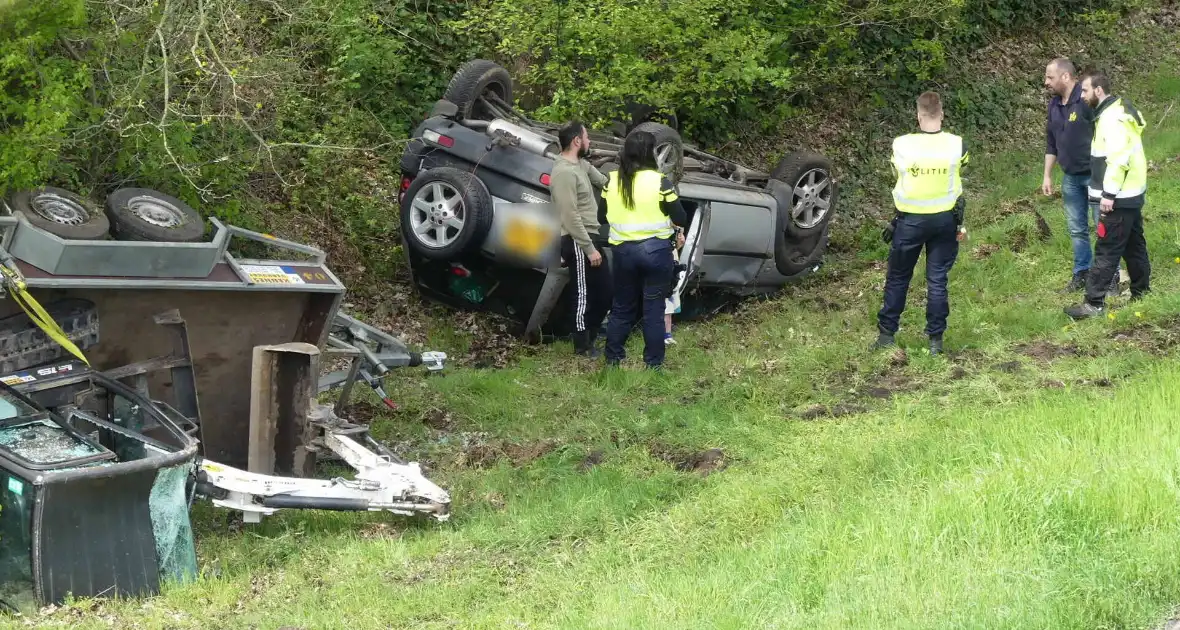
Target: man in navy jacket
1068, 133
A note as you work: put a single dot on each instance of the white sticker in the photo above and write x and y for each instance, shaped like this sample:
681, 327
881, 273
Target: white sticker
16, 486
271, 274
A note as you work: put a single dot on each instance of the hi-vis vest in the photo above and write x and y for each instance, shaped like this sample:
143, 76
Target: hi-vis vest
1118, 168
927, 167
646, 220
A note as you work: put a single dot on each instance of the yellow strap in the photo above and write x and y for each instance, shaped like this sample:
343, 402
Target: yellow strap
32, 308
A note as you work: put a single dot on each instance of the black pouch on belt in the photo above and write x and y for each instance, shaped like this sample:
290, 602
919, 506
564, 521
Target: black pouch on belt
887, 231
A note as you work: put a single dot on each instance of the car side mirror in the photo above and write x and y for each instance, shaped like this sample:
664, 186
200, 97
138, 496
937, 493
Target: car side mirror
444, 108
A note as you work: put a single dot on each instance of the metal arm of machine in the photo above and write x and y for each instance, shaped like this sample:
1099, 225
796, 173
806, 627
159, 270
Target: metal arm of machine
383, 482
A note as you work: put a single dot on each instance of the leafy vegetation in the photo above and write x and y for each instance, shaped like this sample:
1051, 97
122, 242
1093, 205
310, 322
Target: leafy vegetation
290, 115
778, 474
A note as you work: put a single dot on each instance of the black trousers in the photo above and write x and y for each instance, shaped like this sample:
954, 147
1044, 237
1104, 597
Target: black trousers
591, 288
1120, 236
936, 233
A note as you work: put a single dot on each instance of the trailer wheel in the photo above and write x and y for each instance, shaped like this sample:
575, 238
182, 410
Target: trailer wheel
476, 78
812, 196
141, 214
446, 212
669, 149
62, 213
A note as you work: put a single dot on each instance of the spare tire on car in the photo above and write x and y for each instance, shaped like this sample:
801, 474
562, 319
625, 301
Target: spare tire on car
446, 211
669, 149
474, 79
141, 214
62, 213
812, 195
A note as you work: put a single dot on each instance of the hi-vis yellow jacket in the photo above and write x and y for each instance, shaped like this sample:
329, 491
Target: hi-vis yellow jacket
927, 167
1118, 168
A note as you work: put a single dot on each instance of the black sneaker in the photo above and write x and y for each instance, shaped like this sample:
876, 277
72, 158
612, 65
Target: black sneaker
1078, 283
936, 345
883, 341
1084, 310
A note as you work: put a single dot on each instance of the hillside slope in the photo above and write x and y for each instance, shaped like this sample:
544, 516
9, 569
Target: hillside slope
777, 474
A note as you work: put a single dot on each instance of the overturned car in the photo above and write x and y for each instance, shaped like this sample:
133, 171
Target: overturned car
480, 234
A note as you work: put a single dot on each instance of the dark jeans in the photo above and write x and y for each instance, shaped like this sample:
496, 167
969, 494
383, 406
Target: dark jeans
935, 233
1120, 236
590, 286
1078, 214
643, 280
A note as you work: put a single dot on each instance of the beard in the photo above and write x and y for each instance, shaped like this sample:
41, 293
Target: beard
584, 153
1092, 101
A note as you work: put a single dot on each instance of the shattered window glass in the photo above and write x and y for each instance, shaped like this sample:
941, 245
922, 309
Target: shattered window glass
171, 525
16, 544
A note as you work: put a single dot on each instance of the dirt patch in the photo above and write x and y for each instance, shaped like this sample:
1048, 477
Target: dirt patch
703, 463
1153, 338
1052, 384
1008, 367
958, 373
1099, 382
841, 410
1046, 351
595, 458
439, 420
888, 386
984, 251
487, 455
898, 358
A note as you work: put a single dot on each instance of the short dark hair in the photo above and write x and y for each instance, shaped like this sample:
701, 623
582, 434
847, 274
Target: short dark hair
572, 131
1066, 66
1099, 79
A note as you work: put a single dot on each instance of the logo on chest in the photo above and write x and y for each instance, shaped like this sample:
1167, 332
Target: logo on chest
1073, 117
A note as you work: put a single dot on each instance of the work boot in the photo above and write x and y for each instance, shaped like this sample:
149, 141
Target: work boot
884, 340
583, 346
1084, 310
1078, 283
936, 345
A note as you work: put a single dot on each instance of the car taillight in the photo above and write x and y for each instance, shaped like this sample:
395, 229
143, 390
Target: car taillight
438, 138
545, 179
405, 183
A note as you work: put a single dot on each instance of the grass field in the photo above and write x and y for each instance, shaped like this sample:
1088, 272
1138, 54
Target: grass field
778, 474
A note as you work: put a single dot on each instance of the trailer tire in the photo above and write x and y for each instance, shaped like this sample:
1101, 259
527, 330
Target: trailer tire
62, 213
669, 140
142, 214
471, 81
808, 179
426, 209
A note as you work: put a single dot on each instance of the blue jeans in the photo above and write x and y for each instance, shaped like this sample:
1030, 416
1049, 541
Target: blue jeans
643, 279
1078, 214
937, 234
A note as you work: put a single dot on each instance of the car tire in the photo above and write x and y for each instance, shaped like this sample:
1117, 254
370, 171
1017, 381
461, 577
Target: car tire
471, 81
667, 139
62, 213
423, 213
809, 185
796, 255
142, 214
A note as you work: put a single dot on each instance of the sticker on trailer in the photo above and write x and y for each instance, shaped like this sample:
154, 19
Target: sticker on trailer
17, 379
271, 274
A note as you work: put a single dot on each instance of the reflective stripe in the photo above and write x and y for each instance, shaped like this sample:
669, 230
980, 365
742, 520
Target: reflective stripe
1122, 194
926, 203
642, 227
632, 236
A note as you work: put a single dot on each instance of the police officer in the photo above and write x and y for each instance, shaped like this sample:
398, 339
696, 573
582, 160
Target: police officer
642, 208
1118, 186
928, 197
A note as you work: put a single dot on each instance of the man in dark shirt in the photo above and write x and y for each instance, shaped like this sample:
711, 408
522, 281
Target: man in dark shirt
1068, 132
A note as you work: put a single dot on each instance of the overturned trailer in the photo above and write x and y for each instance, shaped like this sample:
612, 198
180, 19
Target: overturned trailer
172, 392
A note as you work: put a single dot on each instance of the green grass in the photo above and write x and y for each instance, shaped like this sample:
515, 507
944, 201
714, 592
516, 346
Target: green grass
995, 487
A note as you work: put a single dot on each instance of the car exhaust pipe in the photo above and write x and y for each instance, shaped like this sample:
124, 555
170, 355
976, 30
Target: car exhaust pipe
528, 140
